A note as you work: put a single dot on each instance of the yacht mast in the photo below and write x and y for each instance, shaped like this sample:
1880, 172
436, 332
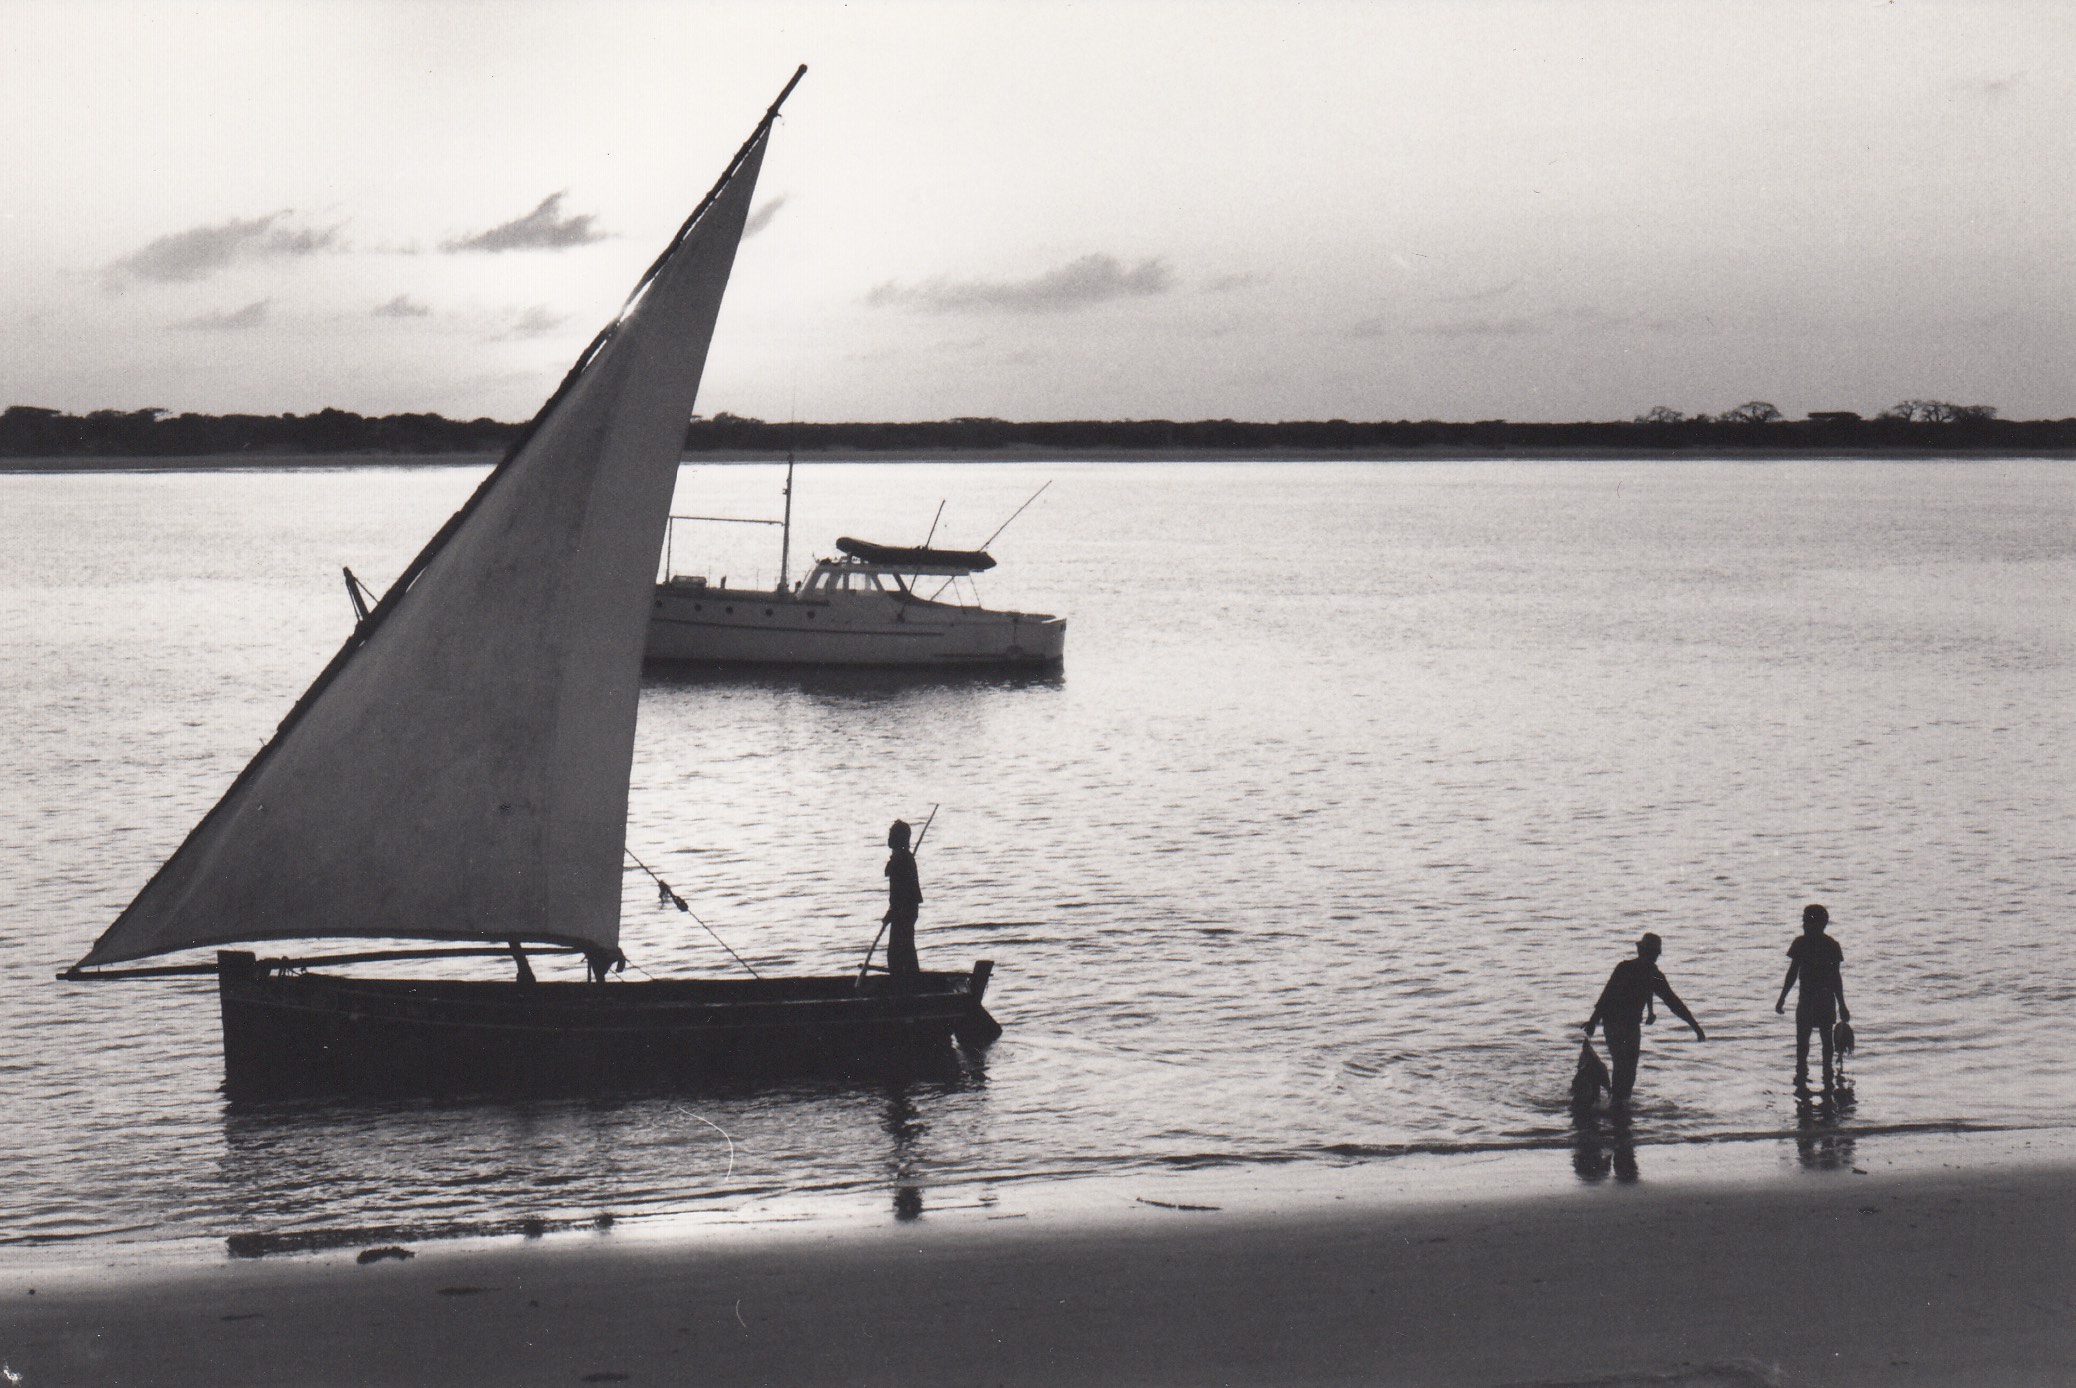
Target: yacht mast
786, 531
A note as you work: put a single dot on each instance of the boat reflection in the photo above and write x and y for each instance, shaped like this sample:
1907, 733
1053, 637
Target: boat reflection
901, 1122
301, 1175
839, 682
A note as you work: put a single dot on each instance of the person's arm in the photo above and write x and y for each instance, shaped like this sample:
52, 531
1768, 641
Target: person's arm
1600, 1004
1845, 1014
1679, 1009
1780, 1004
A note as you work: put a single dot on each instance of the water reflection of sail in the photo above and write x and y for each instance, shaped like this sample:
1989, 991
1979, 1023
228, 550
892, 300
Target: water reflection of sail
305, 1176
300, 1174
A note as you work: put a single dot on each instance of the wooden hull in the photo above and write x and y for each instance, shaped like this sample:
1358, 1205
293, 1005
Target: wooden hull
314, 1033
739, 626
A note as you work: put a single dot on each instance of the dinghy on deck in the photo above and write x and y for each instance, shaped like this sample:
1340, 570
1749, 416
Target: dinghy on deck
459, 772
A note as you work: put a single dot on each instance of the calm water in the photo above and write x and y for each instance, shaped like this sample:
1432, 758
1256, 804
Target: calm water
1357, 781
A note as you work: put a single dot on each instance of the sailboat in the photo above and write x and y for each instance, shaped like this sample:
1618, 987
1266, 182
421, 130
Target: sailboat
459, 772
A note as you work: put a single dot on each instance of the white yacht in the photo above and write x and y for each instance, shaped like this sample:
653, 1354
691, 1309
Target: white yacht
865, 607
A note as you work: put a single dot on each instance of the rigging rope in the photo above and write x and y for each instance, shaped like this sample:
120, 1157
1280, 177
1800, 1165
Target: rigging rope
666, 897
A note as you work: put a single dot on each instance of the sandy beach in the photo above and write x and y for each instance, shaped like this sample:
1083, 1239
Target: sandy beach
1851, 1276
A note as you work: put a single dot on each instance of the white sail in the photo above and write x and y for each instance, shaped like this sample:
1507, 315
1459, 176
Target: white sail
460, 770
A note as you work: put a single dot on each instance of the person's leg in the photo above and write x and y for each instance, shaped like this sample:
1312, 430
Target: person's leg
901, 955
1812, 1016
1624, 1046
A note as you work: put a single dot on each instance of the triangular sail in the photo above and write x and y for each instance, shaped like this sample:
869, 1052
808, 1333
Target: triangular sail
460, 770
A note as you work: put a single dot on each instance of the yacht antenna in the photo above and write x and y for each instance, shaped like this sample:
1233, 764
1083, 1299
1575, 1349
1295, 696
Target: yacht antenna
994, 537
1013, 515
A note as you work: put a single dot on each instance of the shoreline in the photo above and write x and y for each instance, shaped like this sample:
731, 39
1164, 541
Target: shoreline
1928, 1260
1410, 1175
277, 462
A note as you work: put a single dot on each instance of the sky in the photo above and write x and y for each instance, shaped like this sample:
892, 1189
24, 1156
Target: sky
1539, 210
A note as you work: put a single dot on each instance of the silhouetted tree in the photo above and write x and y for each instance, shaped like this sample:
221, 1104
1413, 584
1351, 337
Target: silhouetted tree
1751, 412
1937, 412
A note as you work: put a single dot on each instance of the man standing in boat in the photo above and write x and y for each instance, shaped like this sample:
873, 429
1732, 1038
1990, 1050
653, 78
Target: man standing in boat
904, 899
1620, 1013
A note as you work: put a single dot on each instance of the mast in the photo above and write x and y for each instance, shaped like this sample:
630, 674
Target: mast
786, 530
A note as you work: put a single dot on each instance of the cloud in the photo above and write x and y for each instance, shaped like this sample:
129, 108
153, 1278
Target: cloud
543, 229
1478, 296
761, 218
1990, 89
1515, 326
1093, 279
1226, 284
1582, 318
536, 321
236, 320
402, 306
182, 257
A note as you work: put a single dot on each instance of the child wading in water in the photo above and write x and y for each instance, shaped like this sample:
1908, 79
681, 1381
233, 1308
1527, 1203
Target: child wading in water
1816, 959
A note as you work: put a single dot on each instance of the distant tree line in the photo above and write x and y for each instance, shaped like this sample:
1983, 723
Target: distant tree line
1911, 425
28, 431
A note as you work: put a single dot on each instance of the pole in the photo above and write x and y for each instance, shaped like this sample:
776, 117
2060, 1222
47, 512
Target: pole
665, 896
998, 533
786, 534
1013, 515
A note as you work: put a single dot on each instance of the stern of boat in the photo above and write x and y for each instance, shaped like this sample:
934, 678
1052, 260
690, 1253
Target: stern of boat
977, 1027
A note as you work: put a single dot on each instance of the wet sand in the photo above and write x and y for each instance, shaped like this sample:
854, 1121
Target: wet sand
1841, 1277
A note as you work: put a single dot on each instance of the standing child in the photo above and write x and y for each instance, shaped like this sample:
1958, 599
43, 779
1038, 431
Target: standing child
1817, 960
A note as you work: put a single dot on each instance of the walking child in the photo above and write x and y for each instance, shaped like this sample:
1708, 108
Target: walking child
1816, 960
1620, 1013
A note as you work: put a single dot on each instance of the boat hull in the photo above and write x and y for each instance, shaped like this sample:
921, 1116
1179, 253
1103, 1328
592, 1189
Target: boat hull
313, 1033
699, 623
